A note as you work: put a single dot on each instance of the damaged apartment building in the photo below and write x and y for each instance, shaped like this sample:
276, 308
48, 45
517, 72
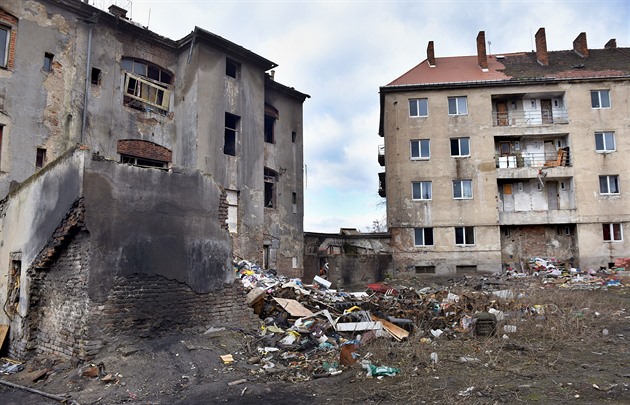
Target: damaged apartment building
491, 160
133, 169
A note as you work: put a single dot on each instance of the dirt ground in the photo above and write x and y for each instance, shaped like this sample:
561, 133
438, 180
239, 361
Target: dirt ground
561, 345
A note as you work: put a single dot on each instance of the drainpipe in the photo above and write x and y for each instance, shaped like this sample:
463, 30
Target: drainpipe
87, 82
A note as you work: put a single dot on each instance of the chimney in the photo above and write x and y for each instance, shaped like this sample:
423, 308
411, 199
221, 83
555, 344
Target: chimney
579, 45
482, 58
612, 44
541, 47
431, 54
272, 75
118, 11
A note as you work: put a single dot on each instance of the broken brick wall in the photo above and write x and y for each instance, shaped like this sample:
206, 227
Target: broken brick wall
520, 243
145, 305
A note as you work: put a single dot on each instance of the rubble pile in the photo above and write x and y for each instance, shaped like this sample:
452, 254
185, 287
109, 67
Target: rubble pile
552, 272
311, 330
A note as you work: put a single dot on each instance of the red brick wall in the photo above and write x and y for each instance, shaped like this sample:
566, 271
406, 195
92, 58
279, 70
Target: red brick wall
10, 21
144, 149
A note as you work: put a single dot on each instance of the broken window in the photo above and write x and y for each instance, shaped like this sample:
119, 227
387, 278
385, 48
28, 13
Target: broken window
146, 86
95, 76
460, 147
231, 129
420, 149
269, 126
464, 235
293, 136
612, 232
271, 177
418, 107
462, 189
604, 141
232, 217
600, 98
48, 61
294, 202
5, 39
232, 68
609, 184
423, 237
421, 190
458, 105
40, 158
142, 162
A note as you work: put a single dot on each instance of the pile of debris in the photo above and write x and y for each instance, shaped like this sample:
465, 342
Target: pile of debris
553, 272
313, 330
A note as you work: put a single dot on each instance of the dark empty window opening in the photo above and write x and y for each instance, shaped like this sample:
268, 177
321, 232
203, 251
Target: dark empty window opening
294, 202
40, 158
232, 68
293, 136
48, 62
142, 162
425, 269
269, 126
95, 77
271, 178
231, 129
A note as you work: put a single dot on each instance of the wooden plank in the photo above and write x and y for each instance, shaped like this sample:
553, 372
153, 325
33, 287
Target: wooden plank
293, 307
4, 329
396, 331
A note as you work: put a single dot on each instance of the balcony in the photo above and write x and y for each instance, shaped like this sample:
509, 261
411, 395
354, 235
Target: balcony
534, 160
381, 184
381, 155
521, 118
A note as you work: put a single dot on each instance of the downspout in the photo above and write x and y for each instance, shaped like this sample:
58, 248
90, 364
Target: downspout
87, 82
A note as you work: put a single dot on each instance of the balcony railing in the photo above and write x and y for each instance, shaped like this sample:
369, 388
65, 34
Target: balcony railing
530, 118
381, 155
536, 160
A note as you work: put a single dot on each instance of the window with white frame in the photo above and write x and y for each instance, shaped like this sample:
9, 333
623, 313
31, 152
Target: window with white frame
420, 149
5, 39
146, 86
460, 147
605, 142
612, 232
464, 235
419, 107
458, 105
462, 189
423, 237
421, 190
609, 184
600, 98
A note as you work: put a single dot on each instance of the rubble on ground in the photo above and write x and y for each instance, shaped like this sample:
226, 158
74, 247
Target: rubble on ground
312, 330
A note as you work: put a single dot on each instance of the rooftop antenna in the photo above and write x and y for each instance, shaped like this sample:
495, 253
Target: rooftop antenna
489, 51
531, 38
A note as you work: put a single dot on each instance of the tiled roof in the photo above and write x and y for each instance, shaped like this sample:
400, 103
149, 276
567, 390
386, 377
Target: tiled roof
520, 66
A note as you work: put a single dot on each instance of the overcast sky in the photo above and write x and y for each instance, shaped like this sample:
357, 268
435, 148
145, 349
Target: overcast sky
340, 52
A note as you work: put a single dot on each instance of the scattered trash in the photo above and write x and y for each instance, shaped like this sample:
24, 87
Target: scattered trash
374, 371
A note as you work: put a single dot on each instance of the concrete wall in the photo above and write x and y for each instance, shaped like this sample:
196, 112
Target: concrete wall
154, 222
284, 228
353, 260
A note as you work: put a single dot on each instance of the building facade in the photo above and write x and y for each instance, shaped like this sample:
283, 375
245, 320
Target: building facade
491, 160
133, 168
